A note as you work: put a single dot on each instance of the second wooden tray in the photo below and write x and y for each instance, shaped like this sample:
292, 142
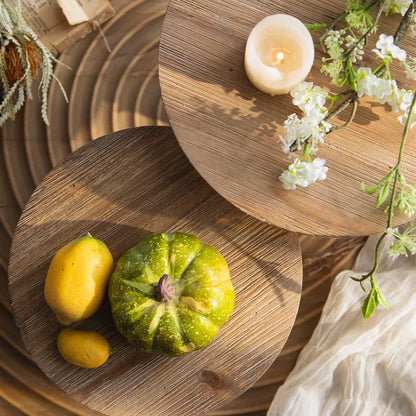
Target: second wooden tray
230, 130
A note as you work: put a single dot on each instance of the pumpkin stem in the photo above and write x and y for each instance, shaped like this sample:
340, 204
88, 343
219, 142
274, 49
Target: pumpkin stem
164, 292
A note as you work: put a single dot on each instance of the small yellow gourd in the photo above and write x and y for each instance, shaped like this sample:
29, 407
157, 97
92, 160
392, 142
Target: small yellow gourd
77, 279
86, 349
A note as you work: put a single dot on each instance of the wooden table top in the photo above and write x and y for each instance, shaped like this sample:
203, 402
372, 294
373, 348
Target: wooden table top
29, 150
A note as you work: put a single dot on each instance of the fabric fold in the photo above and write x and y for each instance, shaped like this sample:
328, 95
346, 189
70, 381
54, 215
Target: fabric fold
356, 367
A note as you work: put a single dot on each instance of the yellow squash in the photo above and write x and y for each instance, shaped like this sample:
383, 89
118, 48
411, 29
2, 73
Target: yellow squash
77, 279
83, 348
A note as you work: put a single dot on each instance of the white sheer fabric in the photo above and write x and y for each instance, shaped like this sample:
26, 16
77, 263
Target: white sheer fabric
355, 367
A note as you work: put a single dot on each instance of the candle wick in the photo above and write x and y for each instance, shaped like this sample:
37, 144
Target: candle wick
280, 55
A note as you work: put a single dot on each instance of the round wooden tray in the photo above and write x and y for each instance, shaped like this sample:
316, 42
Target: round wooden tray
120, 188
230, 130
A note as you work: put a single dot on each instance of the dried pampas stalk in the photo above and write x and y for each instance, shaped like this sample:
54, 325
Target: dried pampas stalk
21, 56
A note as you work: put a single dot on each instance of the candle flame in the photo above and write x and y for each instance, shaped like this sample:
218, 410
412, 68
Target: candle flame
280, 56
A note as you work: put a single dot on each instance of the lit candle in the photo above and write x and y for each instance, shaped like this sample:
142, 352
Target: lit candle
279, 54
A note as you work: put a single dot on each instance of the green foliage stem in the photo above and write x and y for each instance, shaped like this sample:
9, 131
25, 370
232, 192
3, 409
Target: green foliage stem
405, 240
340, 66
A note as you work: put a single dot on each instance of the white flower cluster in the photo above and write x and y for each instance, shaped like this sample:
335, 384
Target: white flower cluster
386, 91
405, 106
358, 51
311, 100
381, 89
333, 37
386, 49
303, 173
396, 6
333, 41
298, 130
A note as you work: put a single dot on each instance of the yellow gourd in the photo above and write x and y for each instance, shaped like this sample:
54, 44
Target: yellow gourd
77, 279
83, 348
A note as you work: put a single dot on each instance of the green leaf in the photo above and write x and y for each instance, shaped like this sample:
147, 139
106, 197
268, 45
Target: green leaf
313, 27
306, 153
380, 299
350, 75
146, 289
371, 190
384, 193
369, 305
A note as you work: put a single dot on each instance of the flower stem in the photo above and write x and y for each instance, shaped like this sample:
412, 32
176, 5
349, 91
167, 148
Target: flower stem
376, 261
351, 117
368, 31
339, 109
400, 33
405, 23
331, 25
399, 161
396, 170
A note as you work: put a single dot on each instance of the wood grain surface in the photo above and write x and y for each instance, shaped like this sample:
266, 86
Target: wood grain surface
120, 188
230, 130
28, 151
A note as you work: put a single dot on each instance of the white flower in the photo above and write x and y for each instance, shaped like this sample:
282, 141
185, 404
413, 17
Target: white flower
399, 54
300, 92
311, 100
386, 91
357, 53
396, 6
387, 49
315, 106
333, 42
396, 97
289, 180
370, 85
405, 106
326, 126
406, 100
333, 36
373, 86
403, 119
381, 89
363, 81
298, 130
303, 173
